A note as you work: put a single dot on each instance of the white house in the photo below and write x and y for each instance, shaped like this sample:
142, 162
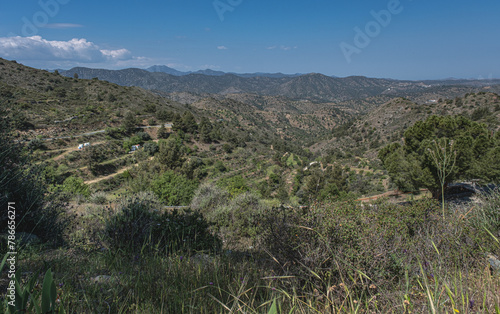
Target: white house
82, 146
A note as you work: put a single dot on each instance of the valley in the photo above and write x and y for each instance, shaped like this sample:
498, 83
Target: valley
271, 182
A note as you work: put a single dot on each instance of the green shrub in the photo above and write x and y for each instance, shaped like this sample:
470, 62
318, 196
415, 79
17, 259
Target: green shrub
480, 113
144, 136
242, 215
35, 144
131, 226
141, 224
234, 185
134, 140
21, 184
208, 198
233, 217
382, 241
75, 186
173, 188
114, 132
151, 148
183, 231
219, 166
98, 198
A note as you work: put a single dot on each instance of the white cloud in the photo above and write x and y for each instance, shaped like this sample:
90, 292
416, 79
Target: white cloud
76, 50
282, 47
120, 54
62, 25
222, 47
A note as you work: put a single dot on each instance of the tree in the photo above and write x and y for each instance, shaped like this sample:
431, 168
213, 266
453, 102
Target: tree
177, 123
91, 157
205, 128
151, 148
170, 154
444, 157
164, 115
412, 164
129, 122
189, 124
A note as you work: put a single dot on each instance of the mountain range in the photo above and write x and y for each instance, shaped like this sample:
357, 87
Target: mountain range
171, 71
313, 86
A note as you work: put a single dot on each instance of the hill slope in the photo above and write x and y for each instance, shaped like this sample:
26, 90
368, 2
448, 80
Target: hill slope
386, 123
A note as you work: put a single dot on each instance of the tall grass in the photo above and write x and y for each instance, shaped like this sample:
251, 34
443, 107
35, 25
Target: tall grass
334, 258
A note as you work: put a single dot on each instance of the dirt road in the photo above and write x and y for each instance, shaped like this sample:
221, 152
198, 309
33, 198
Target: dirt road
72, 149
111, 175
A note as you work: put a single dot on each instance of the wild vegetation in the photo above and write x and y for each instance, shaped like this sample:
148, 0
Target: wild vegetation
245, 203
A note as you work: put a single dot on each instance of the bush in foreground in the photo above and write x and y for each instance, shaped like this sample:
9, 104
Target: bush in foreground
140, 223
23, 188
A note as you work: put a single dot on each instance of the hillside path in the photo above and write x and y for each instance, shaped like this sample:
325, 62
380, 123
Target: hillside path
72, 149
111, 175
167, 125
122, 170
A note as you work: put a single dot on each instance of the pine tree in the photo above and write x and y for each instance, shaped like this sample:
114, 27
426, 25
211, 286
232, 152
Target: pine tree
129, 123
412, 165
189, 123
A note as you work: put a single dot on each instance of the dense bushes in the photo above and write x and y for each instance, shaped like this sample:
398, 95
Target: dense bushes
174, 189
151, 148
140, 224
75, 186
383, 242
21, 183
236, 218
235, 185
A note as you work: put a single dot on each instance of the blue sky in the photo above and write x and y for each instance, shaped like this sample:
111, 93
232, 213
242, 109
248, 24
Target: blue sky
402, 39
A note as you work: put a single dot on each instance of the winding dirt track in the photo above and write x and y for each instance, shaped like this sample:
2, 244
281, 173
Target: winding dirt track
111, 175
122, 170
386, 194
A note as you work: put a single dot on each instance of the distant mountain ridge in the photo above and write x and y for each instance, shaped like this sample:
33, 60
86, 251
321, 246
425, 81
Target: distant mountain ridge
315, 87
210, 72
